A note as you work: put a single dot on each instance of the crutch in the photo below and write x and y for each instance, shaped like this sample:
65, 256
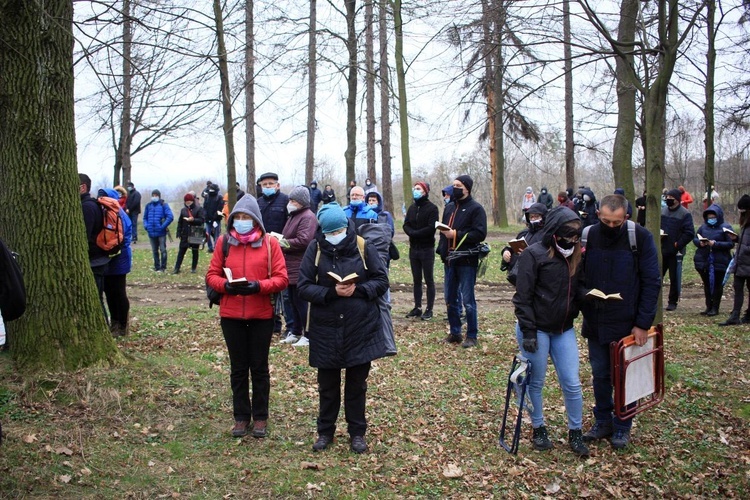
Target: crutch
518, 381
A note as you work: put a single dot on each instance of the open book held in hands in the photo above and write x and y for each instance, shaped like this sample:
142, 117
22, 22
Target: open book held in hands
442, 227
280, 237
700, 238
729, 231
232, 280
518, 244
349, 278
595, 292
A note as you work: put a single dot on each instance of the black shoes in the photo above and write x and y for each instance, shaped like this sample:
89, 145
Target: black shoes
600, 430
469, 342
620, 439
452, 339
415, 313
322, 442
671, 307
359, 445
427, 315
540, 439
575, 439
712, 312
733, 319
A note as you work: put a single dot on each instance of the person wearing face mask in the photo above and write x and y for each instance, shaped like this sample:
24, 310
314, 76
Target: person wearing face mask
712, 256
529, 198
611, 265
191, 216
677, 225
449, 204
533, 233
545, 198
564, 201
468, 228
588, 210
546, 303
156, 219
246, 310
133, 209
370, 187
298, 232
316, 196
345, 322
213, 208
419, 226
329, 196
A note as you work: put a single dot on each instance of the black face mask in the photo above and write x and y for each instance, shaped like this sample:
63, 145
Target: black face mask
671, 202
566, 243
458, 193
610, 232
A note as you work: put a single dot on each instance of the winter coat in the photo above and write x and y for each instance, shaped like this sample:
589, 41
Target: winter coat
273, 210
678, 224
299, 231
316, 196
469, 219
133, 202
93, 220
380, 213
122, 263
546, 297
545, 198
157, 217
183, 226
250, 261
328, 196
723, 244
419, 224
589, 216
611, 266
742, 257
641, 217
343, 331
213, 203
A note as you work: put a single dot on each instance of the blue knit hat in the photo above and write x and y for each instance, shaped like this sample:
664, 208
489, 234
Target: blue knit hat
331, 217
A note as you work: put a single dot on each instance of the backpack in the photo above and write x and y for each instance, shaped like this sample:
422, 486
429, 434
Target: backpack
378, 234
112, 235
12, 289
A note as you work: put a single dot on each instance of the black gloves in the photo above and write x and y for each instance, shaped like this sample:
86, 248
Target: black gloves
529, 345
250, 288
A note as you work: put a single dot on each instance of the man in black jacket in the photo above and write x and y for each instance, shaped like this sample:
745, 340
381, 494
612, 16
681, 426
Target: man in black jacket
468, 228
419, 226
677, 224
133, 208
213, 205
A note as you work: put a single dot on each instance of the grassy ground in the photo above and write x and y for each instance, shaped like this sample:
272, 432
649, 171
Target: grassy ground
158, 427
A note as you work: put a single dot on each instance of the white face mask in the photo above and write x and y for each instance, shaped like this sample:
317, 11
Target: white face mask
565, 253
335, 239
291, 207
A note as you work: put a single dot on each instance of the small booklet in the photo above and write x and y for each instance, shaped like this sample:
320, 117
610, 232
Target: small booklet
518, 244
442, 227
232, 280
349, 278
662, 233
595, 292
729, 231
280, 237
700, 238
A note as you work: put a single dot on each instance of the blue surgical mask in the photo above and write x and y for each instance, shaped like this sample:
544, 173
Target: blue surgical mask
269, 191
155, 199
446, 201
712, 221
243, 226
416, 193
335, 239
356, 203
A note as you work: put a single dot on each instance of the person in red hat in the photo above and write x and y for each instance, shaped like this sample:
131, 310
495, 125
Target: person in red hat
191, 216
419, 226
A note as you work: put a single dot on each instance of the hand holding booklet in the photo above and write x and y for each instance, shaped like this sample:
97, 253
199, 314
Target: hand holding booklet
349, 278
232, 280
518, 244
595, 292
442, 227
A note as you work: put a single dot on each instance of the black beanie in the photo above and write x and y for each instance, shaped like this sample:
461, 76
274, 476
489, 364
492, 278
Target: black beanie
675, 193
466, 181
744, 203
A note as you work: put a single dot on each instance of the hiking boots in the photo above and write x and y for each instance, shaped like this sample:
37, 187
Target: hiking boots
415, 313
620, 439
452, 339
240, 428
259, 429
540, 440
322, 442
600, 430
359, 445
733, 319
469, 342
575, 439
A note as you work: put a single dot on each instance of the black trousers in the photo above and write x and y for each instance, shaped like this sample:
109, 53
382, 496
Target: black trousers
670, 263
739, 293
248, 342
422, 262
355, 395
181, 255
115, 290
713, 297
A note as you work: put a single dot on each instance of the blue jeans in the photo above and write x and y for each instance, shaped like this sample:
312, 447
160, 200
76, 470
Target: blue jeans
212, 234
159, 244
461, 278
563, 350
601, 371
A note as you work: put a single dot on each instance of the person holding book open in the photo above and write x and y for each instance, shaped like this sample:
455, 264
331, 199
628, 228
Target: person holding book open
342, 276
533, 233
629, 280
712, 256
741, 267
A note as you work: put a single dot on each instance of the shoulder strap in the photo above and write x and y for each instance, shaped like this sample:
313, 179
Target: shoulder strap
631, 236
224, 249
361, 248
268, 245
585, 236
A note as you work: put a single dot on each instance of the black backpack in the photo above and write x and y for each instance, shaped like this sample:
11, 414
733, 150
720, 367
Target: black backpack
12, 289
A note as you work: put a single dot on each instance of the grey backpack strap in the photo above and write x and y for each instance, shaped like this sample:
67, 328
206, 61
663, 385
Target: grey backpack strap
585, 236
631, 236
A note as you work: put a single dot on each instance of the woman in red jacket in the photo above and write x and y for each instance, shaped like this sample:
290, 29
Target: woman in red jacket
246, 311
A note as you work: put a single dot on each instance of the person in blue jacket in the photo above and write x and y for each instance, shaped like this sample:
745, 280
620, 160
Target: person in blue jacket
156, 219
115, 279
712, 256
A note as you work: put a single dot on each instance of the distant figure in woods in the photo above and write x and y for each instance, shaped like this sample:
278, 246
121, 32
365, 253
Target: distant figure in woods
156, 219
191, 216
133, 208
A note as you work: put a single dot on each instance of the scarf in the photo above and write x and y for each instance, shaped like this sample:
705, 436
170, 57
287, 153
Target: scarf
250, 237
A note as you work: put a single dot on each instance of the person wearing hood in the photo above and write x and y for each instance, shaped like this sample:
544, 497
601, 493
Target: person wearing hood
588, 210
533, 233
213, 210
316, 196
545, 198
741, 267
375, 202
156, 220
345, 321
712, 256
528, 199
115, 278
611, 265
329, 196
298, 232
677, 225
246, 310
468, 228
370, 187
419, 226
546, 303
191, 216
448, 202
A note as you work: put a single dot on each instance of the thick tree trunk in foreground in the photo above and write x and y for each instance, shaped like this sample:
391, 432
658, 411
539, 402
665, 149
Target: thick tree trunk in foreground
63, 328
403, 115
370, 91
312, 76
570, 158
226, 105
350, 155
249, 98
385, 115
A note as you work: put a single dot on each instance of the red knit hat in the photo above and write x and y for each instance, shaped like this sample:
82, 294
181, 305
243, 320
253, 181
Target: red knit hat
425, 187
189, 197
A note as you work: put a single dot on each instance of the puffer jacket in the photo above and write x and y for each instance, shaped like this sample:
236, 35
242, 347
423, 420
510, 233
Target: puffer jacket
343, 331
299, 231
121, 263
546, 297
678, 224
157, 218
722, 248
419, 224
742, 256
250, 261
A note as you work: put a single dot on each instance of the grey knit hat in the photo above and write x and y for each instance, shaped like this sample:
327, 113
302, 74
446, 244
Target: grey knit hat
301, 195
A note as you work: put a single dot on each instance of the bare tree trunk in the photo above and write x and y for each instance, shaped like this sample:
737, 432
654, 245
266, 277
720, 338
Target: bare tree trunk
622, 154
570, 158
499, 214
226, 104
63, 327
370, 90
385, 115
351, 98
708, 110
312, 75
250, 97
122, 158
403, 115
